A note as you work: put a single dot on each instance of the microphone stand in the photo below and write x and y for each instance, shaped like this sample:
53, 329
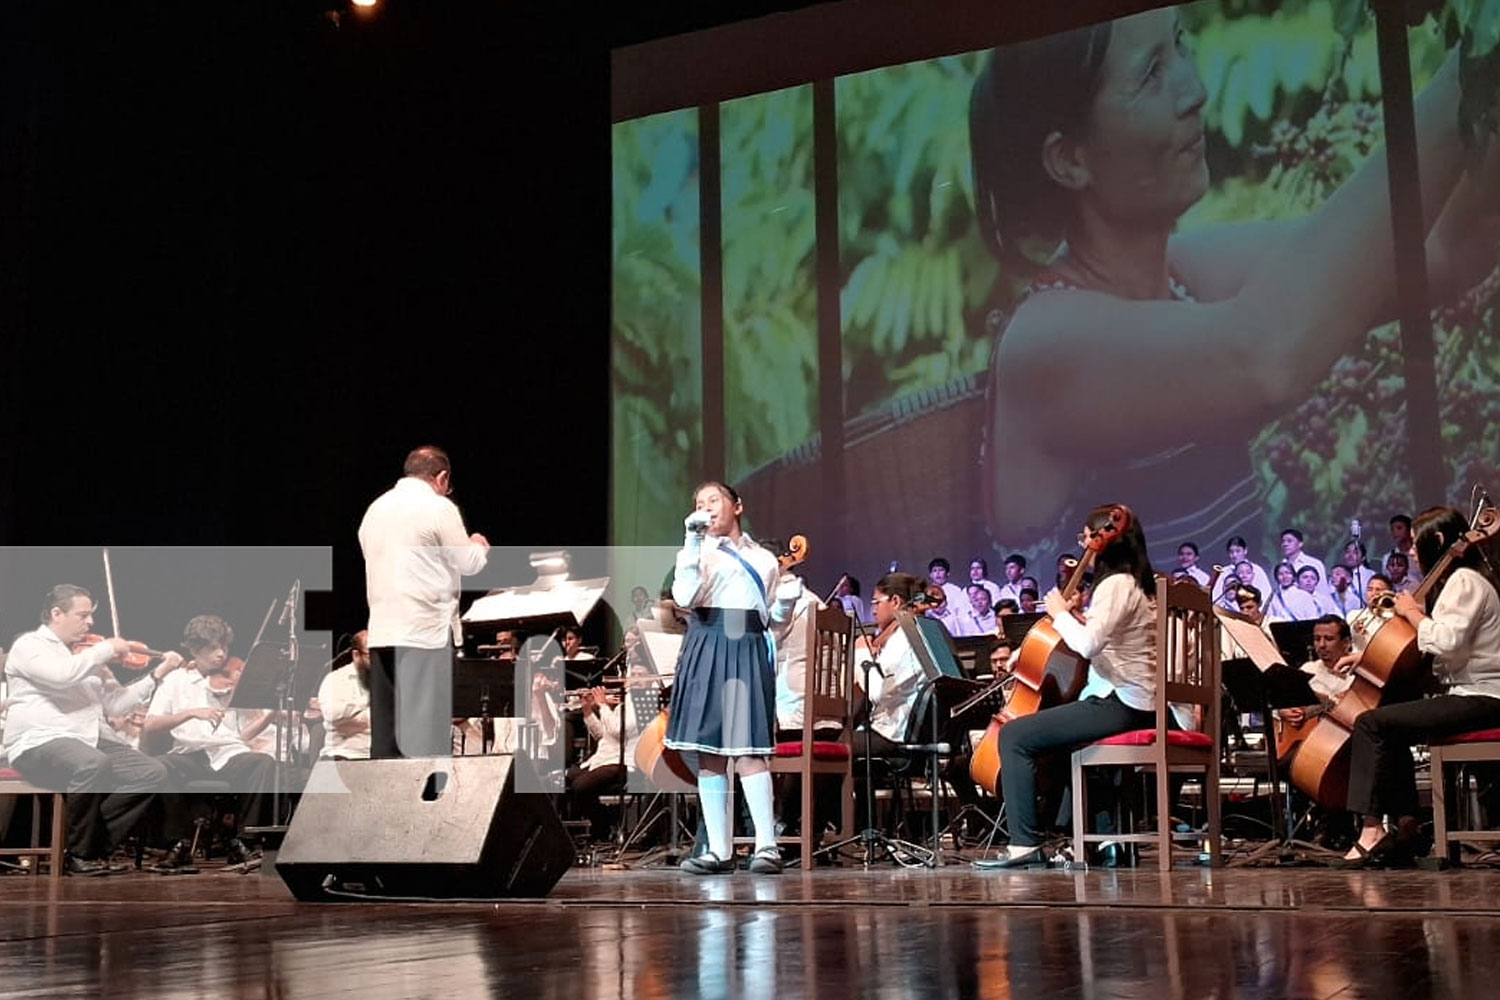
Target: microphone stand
871, 838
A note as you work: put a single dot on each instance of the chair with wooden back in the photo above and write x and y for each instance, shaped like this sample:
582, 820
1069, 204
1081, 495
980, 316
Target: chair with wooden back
829, 636
1187, 663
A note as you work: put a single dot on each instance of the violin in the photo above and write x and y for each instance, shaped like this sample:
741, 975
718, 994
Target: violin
796, 552
138, 658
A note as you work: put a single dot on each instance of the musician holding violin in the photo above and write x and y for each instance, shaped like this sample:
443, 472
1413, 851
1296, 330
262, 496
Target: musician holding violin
1118, 637
724, 696
61, 693
1459, 625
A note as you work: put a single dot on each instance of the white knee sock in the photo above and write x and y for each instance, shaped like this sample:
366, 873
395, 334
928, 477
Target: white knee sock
713, 799
762, 812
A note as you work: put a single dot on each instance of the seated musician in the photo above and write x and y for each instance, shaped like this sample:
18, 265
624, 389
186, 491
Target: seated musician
1118, 636
56, 734
542, 727
1331, 643
956, 771
1379, 584
1461, 629
897, 681
344, 701
208, 740
609, 715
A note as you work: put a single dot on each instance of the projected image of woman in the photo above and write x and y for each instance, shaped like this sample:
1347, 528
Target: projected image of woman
1140, 362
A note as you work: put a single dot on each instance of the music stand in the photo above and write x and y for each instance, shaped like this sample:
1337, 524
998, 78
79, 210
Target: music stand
1263, 678
272, 680
484, 689
661, 645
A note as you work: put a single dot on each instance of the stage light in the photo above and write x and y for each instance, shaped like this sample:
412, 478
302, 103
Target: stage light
365, 3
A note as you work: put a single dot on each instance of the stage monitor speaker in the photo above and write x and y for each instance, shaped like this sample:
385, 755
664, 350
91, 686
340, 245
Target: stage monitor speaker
423, 828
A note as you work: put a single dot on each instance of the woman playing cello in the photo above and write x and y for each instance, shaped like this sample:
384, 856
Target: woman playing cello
1118, 637
1461, 629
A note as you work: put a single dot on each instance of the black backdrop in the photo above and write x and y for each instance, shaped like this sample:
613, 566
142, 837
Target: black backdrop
249, 258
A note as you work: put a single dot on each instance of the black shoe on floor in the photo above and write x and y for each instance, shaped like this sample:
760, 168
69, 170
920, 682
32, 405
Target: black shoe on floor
236, 852
178, 861
86, 867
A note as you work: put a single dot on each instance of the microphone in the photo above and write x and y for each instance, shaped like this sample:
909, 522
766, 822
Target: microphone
895, 566
698, 522
289, 608
1354, 529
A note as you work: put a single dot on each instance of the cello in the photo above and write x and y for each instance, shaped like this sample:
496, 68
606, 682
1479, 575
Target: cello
1389, 671
664, 767
1046, 671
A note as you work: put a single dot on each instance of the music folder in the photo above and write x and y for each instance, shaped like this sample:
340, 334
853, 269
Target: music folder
1272, 682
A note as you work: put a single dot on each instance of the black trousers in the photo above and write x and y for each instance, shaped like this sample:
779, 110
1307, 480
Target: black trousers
249, 776
411, 702
584, 789
1382, 776
109, 788
1031, 744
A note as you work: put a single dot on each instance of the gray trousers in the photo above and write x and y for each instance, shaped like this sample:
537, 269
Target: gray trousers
109, 788
411, 702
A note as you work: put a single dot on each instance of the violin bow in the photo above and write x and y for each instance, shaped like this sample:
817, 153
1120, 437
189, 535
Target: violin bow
109, 586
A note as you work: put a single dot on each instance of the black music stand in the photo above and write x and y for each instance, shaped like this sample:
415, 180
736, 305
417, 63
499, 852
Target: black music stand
1263, 678
661, 645
273, 679
647, 703
484, 689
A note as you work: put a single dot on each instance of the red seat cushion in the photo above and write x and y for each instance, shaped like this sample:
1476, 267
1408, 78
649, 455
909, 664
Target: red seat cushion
1146, 737
10, 774
822, 750
1477, 736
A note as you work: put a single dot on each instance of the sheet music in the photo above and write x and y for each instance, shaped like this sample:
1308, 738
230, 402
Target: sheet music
576, 598
662, 649
1259, 647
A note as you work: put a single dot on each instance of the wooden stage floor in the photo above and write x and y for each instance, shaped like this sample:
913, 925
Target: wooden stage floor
834, 932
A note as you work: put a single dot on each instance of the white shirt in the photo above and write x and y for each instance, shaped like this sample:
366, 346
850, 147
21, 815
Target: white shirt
1347, 603
416, 551
1326, 684
855, 607
953, 599
1199, 577
971, 622
1259, 579
185, 690
1291, 605
1463, 634
995, 591
604, 727
791, 661
709, 577
1413, 574
1303, 559
54, 693
342, 697
1118, 639
1007, 589
893, 696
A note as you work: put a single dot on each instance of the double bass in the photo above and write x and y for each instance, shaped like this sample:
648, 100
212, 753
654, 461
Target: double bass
1390, 670
664, 767
1046, 671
